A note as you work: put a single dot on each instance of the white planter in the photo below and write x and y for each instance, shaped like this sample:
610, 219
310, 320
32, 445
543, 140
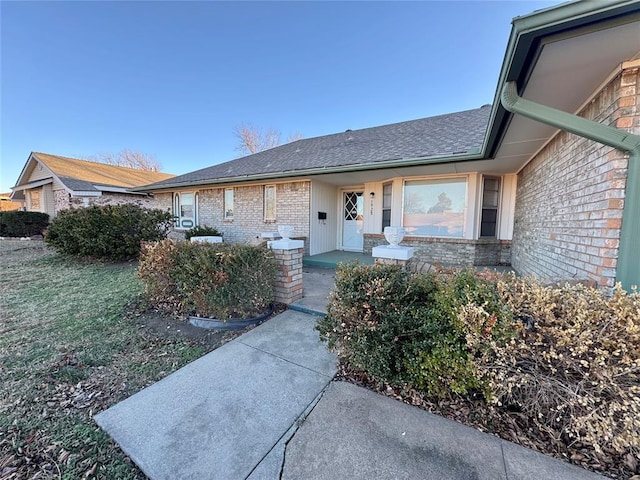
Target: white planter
285, 231
206, 239
394, 235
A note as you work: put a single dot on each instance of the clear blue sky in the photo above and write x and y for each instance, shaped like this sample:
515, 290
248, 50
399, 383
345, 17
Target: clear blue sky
173, 79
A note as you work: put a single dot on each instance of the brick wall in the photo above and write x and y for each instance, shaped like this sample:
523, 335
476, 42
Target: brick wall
570, 197
292, 208
120, 198
450, 251
63, 201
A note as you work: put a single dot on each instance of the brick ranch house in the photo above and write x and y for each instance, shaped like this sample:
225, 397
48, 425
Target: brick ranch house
50, 183
547, 179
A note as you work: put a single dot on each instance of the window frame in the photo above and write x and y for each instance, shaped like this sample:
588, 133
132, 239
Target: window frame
228, 217
35, 194
388, 209
495, 209
266, 216
465, 210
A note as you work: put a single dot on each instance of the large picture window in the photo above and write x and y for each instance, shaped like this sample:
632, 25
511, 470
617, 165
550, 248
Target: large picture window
435, 208
269, 203
228, 203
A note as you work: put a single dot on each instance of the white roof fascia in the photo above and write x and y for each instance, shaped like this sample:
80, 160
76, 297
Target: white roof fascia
106, 188
35, 184
82, 193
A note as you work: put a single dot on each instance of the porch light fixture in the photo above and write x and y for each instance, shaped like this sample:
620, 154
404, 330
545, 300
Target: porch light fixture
372, 194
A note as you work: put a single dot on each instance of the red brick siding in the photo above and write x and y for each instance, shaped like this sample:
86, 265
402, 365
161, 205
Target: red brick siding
570, 197
292, 208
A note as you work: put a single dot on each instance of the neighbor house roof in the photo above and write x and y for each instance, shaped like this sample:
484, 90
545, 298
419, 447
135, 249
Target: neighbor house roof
6, 204
453, 134
85, 176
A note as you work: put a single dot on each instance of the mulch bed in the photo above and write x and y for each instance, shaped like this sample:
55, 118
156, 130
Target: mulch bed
168, 326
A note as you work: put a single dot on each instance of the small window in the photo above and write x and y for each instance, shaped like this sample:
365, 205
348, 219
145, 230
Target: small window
269, 203
35, 199
184, 210
386, 205
490, 196
228, 203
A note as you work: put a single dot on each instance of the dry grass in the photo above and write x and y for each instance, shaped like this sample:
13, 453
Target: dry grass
71, 345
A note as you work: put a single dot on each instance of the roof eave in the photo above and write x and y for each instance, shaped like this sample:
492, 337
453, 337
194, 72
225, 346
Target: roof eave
526, 34
404, 162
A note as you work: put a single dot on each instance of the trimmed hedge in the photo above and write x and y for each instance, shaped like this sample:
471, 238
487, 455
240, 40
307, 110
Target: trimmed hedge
110, 232
559, 362
224, 281
401, 328
22, 224
200, 231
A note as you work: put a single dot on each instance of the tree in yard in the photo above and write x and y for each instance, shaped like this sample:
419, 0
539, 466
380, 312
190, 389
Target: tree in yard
129, 158
252, 139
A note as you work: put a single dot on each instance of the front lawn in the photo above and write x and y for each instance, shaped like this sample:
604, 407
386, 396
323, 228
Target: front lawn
73, 342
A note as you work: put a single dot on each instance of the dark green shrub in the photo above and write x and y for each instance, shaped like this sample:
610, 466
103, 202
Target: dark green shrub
111, 232
22, 224
407, 329
201, 231
224, 281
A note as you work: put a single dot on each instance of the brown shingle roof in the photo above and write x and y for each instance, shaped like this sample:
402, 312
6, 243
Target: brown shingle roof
443, 135
77, 172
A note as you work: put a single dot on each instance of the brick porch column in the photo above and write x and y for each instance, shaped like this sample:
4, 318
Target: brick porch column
288, 254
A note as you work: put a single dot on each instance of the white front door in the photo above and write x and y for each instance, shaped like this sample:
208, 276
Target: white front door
352, 221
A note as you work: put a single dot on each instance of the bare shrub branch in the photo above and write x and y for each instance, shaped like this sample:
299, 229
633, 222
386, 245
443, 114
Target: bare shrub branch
253, 139
129, 158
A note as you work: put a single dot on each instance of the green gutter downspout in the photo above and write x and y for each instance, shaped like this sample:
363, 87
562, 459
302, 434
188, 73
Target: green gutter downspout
628, 266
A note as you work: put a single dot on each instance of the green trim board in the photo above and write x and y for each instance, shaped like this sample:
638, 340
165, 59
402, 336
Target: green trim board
628, 270
473, 154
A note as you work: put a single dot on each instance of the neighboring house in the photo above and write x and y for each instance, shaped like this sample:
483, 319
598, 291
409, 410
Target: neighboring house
50, 183
505, 183
6, 205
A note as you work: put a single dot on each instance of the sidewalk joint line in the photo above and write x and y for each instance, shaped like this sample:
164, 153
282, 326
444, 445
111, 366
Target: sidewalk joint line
296, 423
504, 460
285, 359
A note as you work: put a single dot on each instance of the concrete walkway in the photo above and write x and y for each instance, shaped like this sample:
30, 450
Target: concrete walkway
228, 414
317, 282
262, 407
353, 433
